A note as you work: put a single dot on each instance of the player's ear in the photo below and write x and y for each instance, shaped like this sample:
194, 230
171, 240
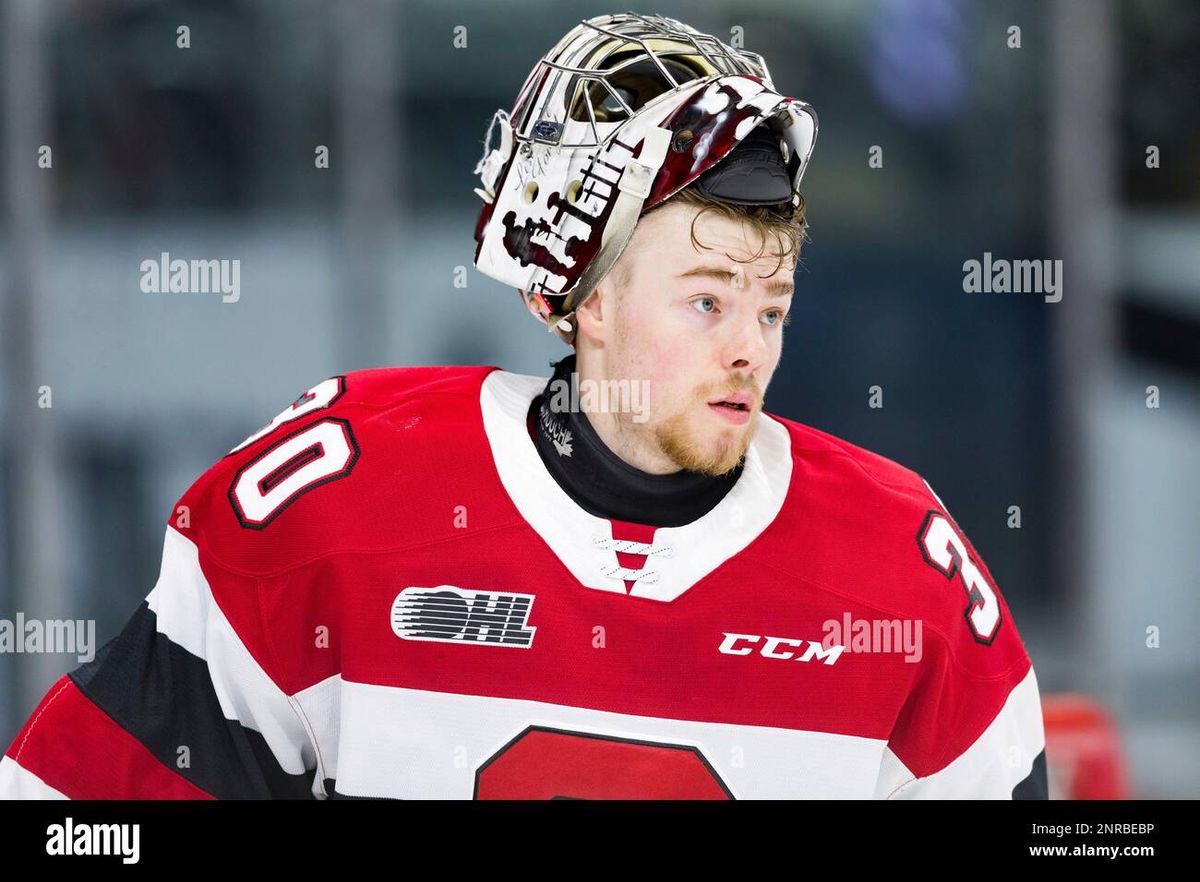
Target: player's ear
595, 316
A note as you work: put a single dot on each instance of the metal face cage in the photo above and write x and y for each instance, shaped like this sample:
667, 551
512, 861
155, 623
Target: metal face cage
624, 65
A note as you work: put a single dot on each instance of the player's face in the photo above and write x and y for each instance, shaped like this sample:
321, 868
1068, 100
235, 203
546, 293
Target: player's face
701, 327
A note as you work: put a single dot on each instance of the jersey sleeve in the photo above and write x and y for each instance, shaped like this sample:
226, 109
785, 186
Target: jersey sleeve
971, 726
184, 702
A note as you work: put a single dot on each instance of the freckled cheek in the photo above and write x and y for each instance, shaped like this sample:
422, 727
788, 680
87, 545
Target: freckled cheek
670, 366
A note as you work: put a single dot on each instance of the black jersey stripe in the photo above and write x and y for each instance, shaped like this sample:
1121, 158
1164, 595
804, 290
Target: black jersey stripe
163, 695
331, 789
1035, 785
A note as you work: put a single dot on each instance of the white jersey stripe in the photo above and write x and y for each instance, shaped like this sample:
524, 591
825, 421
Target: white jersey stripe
188, 615
999, 759
319, 706
17, 782
414, 744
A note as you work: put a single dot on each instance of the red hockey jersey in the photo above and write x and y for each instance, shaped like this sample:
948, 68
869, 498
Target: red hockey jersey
384, 593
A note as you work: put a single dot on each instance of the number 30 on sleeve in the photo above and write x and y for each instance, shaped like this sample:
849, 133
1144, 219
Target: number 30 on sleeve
302, 461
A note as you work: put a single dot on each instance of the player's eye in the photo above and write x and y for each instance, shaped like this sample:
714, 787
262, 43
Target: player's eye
711, 300
782, 319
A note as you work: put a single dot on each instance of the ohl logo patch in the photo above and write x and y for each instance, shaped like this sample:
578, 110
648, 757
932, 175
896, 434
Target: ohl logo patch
447, 614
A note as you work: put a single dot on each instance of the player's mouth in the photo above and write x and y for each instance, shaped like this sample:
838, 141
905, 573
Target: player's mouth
735, 409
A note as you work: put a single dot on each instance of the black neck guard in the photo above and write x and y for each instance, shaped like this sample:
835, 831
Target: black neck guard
605, 485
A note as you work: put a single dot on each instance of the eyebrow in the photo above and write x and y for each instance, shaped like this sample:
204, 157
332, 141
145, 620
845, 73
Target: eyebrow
775, 288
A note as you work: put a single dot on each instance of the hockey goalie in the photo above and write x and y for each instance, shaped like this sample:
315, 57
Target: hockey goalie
466, 583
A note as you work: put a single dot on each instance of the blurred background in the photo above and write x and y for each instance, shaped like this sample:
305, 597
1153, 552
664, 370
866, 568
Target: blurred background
1065, 130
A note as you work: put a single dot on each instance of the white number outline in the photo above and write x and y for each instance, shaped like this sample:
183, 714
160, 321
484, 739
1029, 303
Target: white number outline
318, 397
338, 454
944, 549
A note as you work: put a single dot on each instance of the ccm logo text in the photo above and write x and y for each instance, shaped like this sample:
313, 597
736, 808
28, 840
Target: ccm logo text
783, 648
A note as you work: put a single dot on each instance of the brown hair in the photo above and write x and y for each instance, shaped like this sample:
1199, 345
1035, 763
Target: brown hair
788, 226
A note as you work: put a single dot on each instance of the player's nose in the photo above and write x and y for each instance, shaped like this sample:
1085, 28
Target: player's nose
747, 348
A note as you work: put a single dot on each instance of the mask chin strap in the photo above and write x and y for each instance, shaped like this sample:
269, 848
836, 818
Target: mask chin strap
492, 162
634, 186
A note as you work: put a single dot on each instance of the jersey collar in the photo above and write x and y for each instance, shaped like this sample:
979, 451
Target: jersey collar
583, 542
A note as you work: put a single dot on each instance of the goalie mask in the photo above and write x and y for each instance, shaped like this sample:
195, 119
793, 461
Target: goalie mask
622, 114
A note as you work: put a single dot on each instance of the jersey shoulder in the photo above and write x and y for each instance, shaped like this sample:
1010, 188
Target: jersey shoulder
879, 479
314, 478
909, 556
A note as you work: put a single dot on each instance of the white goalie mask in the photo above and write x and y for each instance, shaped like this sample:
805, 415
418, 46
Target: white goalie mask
622, 114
